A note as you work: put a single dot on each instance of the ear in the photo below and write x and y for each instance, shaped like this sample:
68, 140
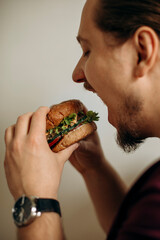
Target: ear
147, 45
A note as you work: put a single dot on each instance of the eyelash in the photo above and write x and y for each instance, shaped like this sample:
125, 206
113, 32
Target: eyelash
86, 53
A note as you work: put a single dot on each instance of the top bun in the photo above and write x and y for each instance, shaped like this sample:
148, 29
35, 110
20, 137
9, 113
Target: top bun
62, 110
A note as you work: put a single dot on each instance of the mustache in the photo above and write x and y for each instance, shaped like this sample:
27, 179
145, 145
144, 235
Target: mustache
88, 87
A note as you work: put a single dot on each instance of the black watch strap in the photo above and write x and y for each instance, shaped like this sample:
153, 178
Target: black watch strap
48, 205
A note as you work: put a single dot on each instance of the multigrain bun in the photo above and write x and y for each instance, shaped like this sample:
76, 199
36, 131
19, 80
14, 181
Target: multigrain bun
56, 116
75, 136
62, 110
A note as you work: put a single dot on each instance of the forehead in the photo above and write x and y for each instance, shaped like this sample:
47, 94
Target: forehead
87, 16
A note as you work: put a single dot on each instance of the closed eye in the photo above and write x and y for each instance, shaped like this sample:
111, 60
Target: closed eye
86, 53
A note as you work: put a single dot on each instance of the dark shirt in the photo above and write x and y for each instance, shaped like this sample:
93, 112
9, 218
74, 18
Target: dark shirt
139, 214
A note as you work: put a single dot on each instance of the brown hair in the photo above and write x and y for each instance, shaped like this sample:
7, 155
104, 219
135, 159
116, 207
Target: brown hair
123, 17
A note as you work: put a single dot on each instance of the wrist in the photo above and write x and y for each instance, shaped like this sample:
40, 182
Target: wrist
41, 193
95, 169
28, 208
48, 226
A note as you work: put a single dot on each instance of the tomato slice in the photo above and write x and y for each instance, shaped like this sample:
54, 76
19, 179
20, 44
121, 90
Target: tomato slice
59, 136
51, 144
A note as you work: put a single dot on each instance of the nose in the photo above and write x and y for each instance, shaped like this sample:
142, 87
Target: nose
78, 75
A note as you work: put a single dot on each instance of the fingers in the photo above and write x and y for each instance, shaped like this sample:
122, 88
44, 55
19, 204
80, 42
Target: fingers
29, 122
38, 123
68, 152
9, 134
22, 124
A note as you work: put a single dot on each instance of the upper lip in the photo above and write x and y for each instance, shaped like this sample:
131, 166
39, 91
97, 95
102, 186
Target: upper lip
88, 87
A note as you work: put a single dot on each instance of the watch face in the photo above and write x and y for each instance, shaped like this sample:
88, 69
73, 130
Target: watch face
23, 211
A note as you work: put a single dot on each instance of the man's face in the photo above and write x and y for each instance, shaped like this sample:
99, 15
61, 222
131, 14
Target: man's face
105, 68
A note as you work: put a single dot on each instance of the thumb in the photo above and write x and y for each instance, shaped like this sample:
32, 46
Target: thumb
66, 153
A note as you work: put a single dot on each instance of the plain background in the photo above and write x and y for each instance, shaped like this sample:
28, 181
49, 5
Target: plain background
38, 53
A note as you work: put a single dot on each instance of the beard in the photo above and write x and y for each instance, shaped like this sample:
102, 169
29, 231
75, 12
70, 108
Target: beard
128, 139
130, 127
130, 124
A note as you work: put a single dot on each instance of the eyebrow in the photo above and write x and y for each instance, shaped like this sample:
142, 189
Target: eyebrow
81, 39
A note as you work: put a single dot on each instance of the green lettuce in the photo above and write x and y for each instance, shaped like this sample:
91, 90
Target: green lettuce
89, 117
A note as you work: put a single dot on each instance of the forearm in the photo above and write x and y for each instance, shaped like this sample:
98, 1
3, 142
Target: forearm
107, 192
32, 169
48, 226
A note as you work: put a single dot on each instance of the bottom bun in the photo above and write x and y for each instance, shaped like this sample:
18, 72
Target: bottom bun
75, 135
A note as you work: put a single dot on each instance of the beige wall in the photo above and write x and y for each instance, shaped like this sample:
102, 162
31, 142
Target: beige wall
38, 52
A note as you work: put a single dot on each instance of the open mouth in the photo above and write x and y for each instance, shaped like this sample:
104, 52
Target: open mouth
88, 87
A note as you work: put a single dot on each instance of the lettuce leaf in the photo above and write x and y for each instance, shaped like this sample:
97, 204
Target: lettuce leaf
68, 121
92, 116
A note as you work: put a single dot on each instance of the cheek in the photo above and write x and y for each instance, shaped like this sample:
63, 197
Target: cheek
96, 74
103, 79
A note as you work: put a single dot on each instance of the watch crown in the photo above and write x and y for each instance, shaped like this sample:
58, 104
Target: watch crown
39, 214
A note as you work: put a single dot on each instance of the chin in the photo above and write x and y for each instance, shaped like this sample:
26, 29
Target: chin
111, 120
129, 138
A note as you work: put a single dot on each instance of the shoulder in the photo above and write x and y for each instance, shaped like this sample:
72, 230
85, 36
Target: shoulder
139, 215
144, 208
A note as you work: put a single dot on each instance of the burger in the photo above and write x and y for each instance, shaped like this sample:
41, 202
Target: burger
67, 123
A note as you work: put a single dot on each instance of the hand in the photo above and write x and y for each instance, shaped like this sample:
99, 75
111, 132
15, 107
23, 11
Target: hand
31, 167
89, 155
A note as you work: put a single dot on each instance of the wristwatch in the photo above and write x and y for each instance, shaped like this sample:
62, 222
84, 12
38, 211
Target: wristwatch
26, 209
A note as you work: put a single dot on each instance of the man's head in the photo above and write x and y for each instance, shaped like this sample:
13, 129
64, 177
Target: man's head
123, 17
120, 62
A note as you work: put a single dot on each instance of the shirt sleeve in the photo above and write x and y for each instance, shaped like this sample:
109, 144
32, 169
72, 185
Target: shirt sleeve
143, 218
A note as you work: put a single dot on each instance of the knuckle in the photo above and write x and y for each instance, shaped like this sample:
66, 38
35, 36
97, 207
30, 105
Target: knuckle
42, 109
37, 114
34, 141
23, 117
7, 159
6, 134
40, 113
7, 130
20, 118
5, 163
16, 147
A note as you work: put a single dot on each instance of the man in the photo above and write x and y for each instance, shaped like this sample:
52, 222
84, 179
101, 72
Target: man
120, 62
